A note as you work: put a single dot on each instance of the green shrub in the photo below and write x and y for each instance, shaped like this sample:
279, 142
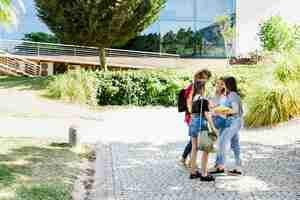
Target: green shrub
43, 192
140, 87
76, 86
277, 35
119, 88
272, 105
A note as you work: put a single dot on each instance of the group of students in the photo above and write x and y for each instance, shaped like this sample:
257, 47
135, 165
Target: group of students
201, 115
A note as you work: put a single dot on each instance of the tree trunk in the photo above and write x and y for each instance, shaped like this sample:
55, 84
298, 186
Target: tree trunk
102, 58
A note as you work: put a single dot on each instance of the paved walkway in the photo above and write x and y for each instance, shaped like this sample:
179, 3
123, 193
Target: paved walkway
143, 163
138, 150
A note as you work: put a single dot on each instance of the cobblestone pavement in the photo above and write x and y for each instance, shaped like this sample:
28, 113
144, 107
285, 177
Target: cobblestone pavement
147, 170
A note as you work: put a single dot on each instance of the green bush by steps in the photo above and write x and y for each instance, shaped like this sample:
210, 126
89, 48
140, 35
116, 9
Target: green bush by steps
119, 88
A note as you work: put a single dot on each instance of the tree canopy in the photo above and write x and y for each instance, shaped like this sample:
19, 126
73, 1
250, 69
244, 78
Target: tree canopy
277, 35
101, 23
40, 37
8, 12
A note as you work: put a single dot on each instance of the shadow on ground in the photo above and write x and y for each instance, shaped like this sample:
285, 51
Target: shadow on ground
150, 171
24, 83
37, 165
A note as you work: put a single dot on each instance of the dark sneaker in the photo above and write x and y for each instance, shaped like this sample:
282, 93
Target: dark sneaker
208, 178
196, 175
218, 171
235, 172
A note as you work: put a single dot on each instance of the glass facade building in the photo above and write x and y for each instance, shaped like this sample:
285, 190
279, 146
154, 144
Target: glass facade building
185, 27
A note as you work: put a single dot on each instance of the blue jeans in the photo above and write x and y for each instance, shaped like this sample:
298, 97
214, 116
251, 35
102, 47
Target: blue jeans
197, 123
194, 129
230, 137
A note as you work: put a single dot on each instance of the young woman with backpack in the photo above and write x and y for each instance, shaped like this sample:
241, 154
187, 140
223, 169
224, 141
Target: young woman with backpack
202, 75
200, 118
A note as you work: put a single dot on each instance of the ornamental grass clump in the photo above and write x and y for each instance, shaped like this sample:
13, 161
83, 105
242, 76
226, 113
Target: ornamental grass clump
272, 105
79, 86
288, 66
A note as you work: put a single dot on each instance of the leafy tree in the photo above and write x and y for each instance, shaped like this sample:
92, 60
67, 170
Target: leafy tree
150, 42
40, 37
277, 35
197, 43
169, 42
8, 12
101, 23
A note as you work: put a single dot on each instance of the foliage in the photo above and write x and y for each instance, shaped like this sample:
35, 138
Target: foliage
8, 12
40, 37
6, 175
140, 87
119, 88
149, 42
184, 42
98, 23
54, 191
288, 66
277, 35
272, 105
78, 86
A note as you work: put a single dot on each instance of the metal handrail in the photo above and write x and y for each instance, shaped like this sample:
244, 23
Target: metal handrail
21, 47
14, 62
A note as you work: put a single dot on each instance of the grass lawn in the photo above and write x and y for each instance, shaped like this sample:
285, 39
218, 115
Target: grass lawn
32, 169
23, 83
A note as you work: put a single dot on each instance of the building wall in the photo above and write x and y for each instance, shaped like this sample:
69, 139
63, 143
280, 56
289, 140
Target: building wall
194, 15
252, 13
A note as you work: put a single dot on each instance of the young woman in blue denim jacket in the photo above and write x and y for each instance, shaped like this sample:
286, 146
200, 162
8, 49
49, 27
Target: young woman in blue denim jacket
200, 117
219, 99
230, 136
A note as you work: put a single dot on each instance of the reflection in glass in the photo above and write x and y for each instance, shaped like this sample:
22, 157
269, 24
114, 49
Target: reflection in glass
187, 27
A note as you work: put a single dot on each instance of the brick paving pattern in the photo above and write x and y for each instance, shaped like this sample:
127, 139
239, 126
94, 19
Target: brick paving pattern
146, 171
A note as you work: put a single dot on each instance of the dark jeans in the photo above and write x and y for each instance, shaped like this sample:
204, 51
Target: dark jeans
187, 150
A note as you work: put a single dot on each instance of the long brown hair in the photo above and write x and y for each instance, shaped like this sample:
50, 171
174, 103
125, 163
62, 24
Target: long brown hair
198, 88
231, 84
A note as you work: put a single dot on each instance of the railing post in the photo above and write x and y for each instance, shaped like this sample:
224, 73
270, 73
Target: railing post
38, 51
74, 51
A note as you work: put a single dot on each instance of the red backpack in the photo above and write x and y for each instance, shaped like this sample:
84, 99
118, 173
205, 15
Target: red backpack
182, 99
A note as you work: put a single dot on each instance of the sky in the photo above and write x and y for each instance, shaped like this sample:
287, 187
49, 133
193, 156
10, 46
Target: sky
182, 10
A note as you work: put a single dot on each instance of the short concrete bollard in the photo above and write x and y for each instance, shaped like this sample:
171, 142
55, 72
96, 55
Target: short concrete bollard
73, 136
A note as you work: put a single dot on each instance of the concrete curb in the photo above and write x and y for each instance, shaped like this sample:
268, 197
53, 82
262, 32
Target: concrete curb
104, 186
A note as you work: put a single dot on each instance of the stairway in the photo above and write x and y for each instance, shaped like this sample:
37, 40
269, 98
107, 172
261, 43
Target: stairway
16, 66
